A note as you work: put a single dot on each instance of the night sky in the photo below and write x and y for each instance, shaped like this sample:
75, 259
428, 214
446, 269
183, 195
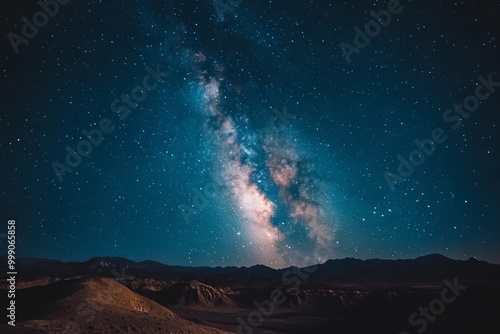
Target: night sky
243, 135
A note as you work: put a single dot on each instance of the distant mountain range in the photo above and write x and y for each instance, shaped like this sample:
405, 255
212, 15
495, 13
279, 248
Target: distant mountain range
432, 268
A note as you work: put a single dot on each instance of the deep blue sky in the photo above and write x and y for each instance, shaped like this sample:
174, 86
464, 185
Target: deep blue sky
310, 188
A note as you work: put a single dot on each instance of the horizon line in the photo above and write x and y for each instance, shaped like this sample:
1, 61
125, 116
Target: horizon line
254, 265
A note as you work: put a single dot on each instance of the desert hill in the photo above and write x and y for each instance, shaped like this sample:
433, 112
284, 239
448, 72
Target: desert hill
97, 305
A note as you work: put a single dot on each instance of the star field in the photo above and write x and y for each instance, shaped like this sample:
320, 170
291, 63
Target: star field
259, 142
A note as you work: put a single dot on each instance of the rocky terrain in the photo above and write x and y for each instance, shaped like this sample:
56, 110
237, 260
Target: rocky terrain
97, 305
116, 295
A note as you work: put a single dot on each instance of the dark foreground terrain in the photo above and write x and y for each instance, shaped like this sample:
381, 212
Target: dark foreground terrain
431, 294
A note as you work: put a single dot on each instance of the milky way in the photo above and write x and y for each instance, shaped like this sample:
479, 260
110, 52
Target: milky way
274, 144
296, 185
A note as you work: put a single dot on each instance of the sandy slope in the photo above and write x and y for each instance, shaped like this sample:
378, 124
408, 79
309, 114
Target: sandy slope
102, 305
